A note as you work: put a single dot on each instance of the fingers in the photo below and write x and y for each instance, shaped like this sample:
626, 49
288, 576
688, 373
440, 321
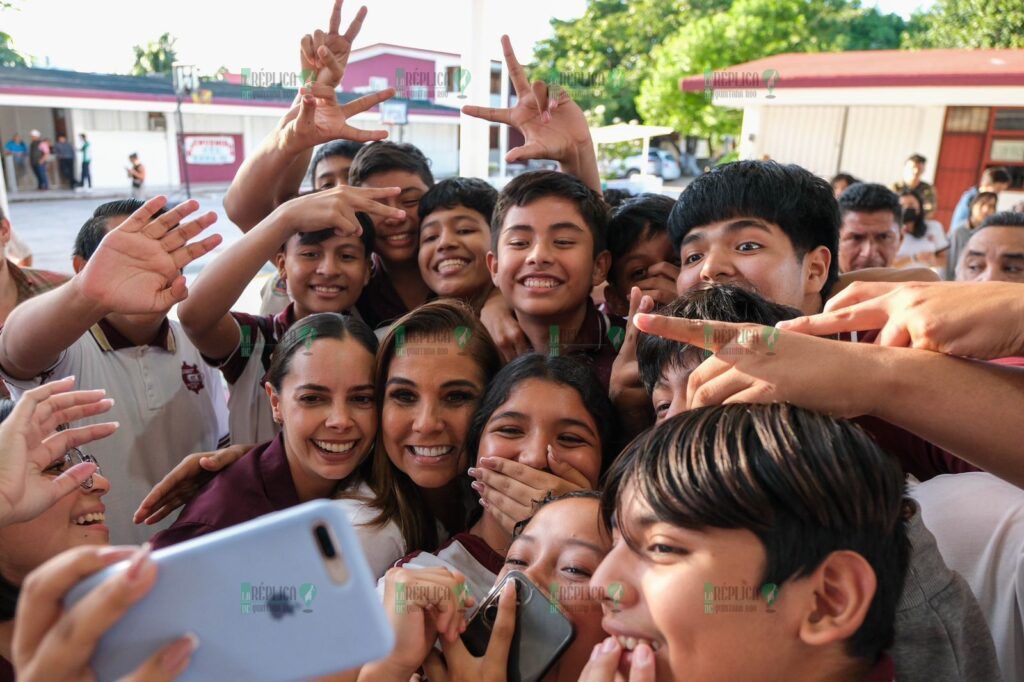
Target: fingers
530, 150
540, 93
355, 26
140, 219
190, 252
893, 334
41, 600
603, 663
62, 441
73, 414
435, 668
857, 317
858, 292
715, 387
335, 22
492, 114
167, 663
328, 60
566, 472
307, 55
185, 473
664, 269
512, 510
24, 411
693, 332
515, 70
159, 227
306, 118
504, 628
216, 461
85, 622
179, 236
367, 102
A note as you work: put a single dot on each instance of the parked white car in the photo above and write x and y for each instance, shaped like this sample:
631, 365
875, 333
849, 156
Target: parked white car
659, 162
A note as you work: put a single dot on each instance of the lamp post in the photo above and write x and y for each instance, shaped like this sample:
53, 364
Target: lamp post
185, 80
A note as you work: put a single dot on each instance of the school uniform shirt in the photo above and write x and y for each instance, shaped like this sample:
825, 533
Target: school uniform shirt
29, 282
932, 241
978, 524
379, 305
598, 342
168, 402
261, 483
274, 295
463, 552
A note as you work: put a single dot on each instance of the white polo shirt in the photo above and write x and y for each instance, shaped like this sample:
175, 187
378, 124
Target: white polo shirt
169, 404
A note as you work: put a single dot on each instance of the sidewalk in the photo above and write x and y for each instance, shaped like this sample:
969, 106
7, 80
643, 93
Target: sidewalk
107, 193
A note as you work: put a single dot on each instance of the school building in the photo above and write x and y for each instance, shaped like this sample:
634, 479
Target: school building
864, 113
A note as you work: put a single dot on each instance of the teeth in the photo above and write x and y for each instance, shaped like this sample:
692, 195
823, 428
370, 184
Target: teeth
325, 289
335, 447
399, 238
630, 643
94, 517
435, 451
540, 283
451, 265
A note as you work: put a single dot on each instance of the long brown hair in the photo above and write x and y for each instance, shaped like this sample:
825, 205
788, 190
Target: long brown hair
397, 498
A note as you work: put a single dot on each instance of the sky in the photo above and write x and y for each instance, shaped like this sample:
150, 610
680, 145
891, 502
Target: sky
98, 35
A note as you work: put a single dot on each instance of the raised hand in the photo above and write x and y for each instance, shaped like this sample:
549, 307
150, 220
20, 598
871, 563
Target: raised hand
336, 208
137, 267
319, 118
30, 443
552, 124
625, 388
315, 68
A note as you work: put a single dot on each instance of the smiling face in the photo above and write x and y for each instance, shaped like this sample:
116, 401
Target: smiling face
432, 390
868, 240
398, 238
453, 252
539, 414
662, 585
74, 520
757, 256
993, 254
544, 264
327, 277
328, 412
559, 550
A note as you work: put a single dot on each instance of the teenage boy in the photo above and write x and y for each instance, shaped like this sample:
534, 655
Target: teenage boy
322, 250
641, 252
108, 327
870, 234
995, 251
455, 235
996, 180
329, 168
913, 180
770, 526
548, 250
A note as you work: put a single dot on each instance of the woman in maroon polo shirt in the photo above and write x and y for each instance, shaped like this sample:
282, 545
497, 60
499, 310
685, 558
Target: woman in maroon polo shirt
322, 393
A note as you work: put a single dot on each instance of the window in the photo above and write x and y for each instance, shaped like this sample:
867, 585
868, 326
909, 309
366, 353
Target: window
157, 121
1009, 151
967, 120
378, 82
1009, 119
420, 92
451, 78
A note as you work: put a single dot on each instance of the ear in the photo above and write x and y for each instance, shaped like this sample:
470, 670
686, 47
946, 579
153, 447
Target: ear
279, 262
842, 588
77, 262
5, 231
492, 266
602, 264
275, 403
816, 265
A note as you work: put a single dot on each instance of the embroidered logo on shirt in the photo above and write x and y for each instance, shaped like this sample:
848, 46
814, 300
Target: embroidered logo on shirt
192, 377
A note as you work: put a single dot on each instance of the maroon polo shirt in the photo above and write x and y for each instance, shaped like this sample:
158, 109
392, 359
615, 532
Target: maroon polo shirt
380, 304
598, 341
259, 483
271, 327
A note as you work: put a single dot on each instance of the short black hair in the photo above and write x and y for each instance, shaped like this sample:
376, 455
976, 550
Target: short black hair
843, 177
381, 157
869, 197
365, 221
718, 302
917, 158
560, 369
798, 201
641, 217
95, 228
346, 148
473, 193
1004, 219
528, 187
805, 484
616, 197
996, 174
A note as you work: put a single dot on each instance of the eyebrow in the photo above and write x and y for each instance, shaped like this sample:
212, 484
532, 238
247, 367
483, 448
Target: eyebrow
569, 541
465, 383
1014, 256
410, 189
734, 226
362, 387
312, 387
564, 225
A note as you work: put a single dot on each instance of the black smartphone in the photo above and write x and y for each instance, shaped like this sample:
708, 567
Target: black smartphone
543, 632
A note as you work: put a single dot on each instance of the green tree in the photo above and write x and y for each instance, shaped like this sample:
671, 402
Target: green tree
602, 57
750, 30
968, 24
156, 57
8, 55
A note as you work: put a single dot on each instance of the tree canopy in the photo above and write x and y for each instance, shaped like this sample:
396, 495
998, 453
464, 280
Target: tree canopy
156, 57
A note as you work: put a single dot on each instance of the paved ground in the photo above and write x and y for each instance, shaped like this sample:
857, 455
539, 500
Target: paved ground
50, 227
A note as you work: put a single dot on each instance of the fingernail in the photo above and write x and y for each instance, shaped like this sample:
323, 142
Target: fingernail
608, 645
485, 460
595, 652
473, 471
483, 502
138, 562
477, 486
180, 652
642, 656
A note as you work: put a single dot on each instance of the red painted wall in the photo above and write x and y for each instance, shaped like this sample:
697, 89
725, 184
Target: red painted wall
213, 172
357, 74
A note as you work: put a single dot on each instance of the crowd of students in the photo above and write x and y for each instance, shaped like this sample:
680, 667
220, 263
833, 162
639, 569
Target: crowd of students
648, 406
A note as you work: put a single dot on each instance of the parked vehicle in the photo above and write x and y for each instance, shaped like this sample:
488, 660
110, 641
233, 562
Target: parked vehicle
659, 162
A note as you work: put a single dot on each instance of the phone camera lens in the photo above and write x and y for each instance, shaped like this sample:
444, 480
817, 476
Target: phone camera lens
491, 612
323, 539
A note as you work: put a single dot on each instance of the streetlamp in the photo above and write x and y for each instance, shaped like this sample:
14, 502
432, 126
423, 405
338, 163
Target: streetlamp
186, 80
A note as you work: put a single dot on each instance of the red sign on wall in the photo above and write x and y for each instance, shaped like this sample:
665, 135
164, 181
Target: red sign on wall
212, 157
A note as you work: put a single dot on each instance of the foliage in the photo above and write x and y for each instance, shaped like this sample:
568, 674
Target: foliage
156, 57
968, 24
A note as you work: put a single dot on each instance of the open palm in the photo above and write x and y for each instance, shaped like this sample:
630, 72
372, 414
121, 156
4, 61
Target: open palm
137, 267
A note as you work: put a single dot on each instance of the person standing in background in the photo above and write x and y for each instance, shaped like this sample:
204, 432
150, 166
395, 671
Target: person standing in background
137, 173
37, 155
913, 172
86, 160
65, 154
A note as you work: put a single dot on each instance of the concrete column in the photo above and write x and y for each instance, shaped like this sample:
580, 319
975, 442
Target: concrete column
473, 132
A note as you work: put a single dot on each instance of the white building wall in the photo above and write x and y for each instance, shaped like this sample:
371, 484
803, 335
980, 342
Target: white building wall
807, 136
878, 140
